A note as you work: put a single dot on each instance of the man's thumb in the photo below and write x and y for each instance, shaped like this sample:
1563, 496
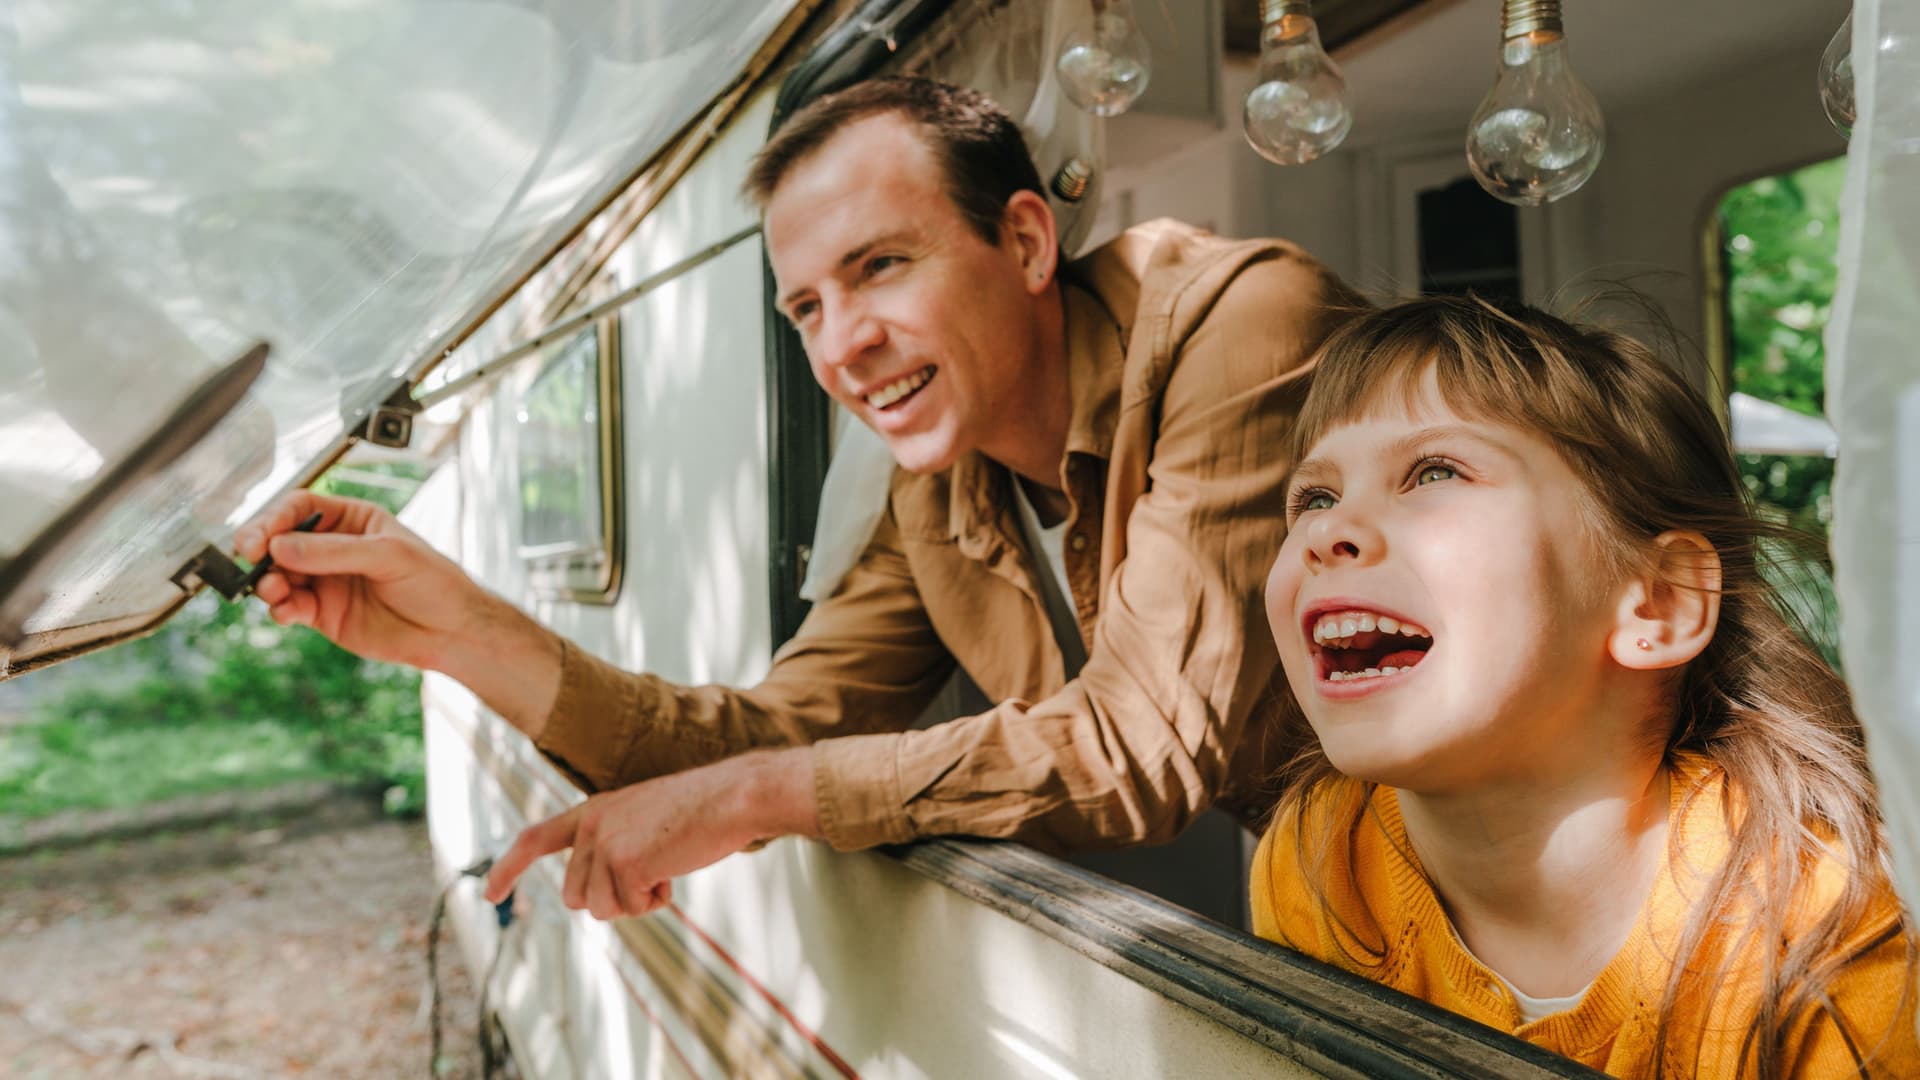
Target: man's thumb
338, 553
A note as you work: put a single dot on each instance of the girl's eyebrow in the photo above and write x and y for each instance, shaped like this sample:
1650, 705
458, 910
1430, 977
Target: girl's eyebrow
1312, 469
1413, 442
1323, 470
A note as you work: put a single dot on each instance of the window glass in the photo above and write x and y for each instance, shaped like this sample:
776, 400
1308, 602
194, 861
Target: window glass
346, 182
1779, 239
567, 440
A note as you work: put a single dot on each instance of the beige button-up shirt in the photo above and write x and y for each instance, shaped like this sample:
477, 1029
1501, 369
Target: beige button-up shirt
1188, 361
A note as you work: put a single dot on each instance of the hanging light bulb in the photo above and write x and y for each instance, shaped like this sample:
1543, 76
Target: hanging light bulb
1538, 135
1104, 64
1836, 79
1298, 111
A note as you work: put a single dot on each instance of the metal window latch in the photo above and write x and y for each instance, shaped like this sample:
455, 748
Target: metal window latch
215, 569
391, 422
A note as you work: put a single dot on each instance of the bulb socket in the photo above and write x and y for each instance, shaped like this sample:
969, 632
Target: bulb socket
1272, 11
1530, 16
1071, 182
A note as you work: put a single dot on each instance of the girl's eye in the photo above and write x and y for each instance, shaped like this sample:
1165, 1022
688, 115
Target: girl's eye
1311, 499
1433, 471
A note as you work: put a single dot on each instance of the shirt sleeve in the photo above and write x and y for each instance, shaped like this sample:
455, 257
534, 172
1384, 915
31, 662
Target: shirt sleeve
1139, 744
865, 659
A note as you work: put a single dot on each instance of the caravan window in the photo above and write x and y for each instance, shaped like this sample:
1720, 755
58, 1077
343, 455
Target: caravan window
1777, 239
568, 453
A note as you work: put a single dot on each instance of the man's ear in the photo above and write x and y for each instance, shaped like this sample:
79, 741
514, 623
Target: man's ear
1668, 613
1027, 224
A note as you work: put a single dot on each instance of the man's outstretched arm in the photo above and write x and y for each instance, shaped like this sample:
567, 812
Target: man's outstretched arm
374, 588
630, 843
680, 776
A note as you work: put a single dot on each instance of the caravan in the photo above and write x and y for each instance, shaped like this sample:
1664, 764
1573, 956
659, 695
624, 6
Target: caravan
505, 239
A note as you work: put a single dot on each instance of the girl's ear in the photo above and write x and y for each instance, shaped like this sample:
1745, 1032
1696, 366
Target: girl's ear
1668, 614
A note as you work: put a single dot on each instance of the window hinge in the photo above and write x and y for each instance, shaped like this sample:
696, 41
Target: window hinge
391, 422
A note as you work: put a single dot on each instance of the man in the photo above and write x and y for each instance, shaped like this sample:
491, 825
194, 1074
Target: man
1090, 469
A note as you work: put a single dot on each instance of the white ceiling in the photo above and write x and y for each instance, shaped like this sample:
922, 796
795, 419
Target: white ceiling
1428, 70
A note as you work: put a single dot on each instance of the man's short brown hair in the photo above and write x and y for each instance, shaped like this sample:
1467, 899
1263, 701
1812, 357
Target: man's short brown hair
977, 144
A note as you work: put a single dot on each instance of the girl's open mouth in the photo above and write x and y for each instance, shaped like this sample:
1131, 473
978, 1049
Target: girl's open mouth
1355, 648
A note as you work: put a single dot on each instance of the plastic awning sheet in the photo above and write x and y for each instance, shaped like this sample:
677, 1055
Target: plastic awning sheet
1873, 398
345, 180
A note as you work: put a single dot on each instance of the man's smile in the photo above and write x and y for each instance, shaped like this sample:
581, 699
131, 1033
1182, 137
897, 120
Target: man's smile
899, 391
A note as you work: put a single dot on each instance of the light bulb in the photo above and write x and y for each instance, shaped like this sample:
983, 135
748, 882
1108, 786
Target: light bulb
1836, 79
1104, 64
1298, 111
1538, 135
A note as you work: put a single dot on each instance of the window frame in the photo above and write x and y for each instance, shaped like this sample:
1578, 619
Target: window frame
554, 570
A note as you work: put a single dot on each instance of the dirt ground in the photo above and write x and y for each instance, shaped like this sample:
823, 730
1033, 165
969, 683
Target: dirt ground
289, 950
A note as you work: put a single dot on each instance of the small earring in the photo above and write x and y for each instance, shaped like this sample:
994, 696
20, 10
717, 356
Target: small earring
1644, 644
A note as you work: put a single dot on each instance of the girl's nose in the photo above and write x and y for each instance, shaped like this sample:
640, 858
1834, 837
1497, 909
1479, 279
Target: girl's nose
1342, 536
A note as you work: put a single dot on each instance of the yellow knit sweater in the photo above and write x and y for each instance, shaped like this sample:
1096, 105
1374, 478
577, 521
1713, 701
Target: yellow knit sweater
1376, 895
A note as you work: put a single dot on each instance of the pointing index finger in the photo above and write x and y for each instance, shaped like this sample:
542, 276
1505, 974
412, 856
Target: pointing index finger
554, 834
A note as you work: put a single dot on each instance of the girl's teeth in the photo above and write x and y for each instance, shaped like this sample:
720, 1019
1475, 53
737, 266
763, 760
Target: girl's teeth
1366, 622
1370, 673
1388, 624
1349, 627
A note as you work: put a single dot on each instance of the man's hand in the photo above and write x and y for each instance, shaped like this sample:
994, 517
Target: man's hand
629, 844
377, 590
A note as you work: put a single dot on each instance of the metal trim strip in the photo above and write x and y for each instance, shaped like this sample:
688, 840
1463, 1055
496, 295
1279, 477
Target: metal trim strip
1332, 1020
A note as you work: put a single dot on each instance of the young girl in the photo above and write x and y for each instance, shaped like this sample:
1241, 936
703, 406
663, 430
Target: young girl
1576, 777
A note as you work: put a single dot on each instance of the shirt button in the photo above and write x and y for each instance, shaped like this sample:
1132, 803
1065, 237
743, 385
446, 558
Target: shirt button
1079, 541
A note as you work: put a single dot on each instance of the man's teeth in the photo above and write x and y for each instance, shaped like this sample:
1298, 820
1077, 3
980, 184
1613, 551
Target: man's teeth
1337, 629
898, 389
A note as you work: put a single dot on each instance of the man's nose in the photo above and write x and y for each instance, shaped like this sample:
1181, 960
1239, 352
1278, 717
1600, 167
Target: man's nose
850, 332
1343, 535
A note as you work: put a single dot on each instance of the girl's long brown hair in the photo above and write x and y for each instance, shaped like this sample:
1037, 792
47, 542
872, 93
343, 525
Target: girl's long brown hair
1759, 702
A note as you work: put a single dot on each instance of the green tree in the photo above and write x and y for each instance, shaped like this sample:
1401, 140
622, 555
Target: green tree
1780, 237
226, 672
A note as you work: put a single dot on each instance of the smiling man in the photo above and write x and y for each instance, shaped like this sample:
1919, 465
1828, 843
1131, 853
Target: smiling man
1088, 497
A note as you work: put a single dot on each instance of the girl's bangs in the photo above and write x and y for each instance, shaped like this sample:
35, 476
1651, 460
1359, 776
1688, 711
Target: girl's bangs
1379, 365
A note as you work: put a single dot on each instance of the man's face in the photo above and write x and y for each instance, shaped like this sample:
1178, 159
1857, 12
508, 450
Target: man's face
910, 318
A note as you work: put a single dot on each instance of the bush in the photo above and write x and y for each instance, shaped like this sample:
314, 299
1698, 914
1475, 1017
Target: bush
223, 671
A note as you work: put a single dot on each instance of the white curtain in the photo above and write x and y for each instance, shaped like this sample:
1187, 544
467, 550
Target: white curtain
1873, 398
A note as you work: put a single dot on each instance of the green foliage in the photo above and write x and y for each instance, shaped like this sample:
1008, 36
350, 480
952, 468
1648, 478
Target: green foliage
388, 484
80, 761
224, 697
228, 668
1781, 235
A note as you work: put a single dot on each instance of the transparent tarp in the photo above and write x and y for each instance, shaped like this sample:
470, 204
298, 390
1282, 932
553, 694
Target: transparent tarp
345, 180
1874, 401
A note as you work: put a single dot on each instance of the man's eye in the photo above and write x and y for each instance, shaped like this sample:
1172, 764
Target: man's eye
882, 262
1433, 471
802, 311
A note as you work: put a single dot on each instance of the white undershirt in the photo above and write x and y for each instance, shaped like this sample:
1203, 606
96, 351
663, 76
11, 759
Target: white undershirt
1049, 550
1533, 1008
